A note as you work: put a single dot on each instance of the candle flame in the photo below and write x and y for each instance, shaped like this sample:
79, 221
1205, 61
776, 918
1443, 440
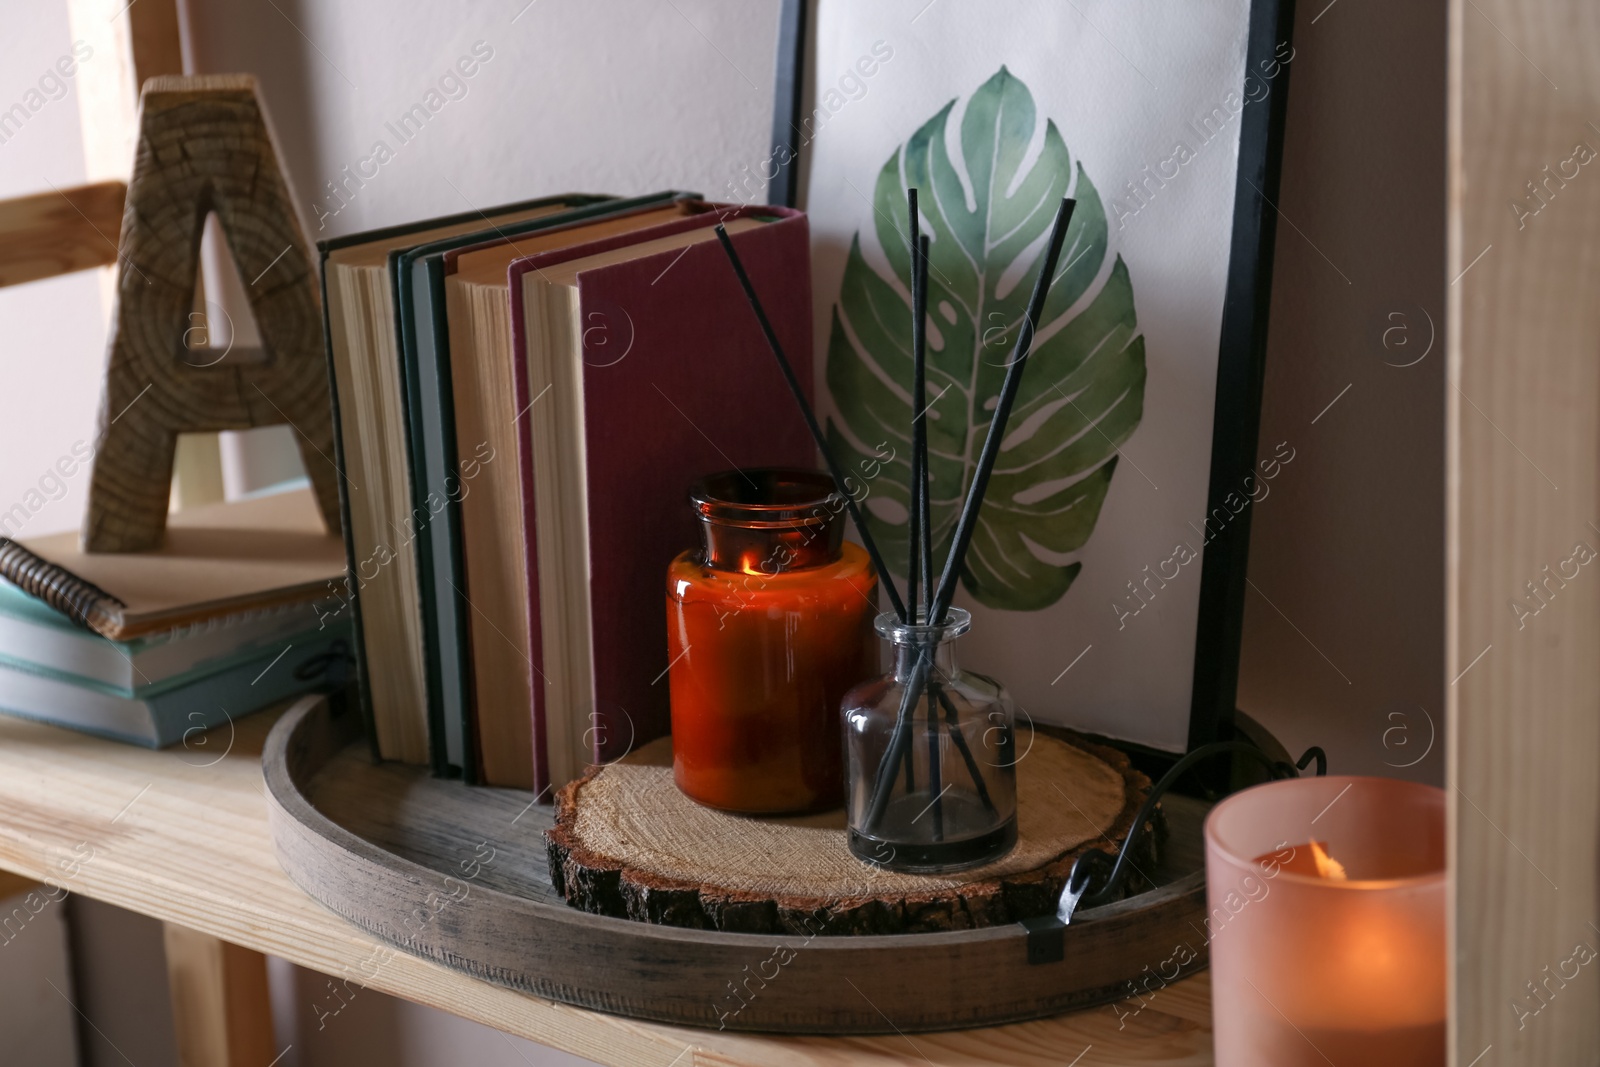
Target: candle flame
1327, 866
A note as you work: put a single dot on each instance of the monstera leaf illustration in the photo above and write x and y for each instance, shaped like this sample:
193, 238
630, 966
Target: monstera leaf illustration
1083, 391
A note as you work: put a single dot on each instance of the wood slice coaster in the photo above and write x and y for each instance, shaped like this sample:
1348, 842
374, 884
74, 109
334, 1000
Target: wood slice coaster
628, 843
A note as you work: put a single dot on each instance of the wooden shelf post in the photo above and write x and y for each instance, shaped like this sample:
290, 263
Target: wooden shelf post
1522, 507
221, 1011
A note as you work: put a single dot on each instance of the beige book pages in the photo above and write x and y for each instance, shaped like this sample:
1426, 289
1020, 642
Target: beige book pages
482, 368
361, 316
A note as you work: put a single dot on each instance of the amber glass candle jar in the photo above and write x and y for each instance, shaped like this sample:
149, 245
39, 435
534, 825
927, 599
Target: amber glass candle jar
769, 624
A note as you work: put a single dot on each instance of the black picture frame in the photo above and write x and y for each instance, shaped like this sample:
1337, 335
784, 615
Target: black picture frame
1242, 344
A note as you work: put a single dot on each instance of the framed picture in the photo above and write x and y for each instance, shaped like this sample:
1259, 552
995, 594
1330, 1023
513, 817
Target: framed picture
1107, 575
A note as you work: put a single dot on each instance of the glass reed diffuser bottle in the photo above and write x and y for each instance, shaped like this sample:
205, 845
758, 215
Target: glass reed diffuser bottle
769, 623
932, 778
931, 754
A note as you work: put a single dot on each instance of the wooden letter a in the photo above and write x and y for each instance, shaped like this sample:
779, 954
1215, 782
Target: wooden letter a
204, 147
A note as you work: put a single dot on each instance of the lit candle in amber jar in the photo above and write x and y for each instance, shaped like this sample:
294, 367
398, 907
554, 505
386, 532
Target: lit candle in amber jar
769, 623
1325, 916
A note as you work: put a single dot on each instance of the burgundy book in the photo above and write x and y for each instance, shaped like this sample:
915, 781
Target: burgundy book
469, 299
667, 377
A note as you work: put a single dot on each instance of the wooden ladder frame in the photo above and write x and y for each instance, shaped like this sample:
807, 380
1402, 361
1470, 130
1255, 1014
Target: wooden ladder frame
222, 1014
63, 231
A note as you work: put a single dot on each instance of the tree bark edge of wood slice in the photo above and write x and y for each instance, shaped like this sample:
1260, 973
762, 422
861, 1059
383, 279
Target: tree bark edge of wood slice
594, 881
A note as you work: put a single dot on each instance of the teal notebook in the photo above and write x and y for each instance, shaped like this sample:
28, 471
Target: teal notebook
179, 708
36, 635
418, 277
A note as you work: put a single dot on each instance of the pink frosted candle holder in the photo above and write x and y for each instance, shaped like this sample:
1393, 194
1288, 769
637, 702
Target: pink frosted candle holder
1310, 969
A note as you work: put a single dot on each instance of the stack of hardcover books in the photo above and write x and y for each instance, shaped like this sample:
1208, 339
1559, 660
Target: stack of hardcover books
523, 396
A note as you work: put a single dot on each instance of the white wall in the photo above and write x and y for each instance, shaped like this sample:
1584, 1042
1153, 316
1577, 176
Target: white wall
51, 333
618, 96
1344, 625
615, 96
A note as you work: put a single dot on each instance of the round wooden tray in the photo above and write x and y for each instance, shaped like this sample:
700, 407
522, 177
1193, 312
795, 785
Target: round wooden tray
460, 876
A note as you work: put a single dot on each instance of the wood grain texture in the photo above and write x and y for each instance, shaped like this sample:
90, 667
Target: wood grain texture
628, 843
156, 42
222, 1013
1523, 465
181, 835
127, 43
204, 147
436, 906
54, 233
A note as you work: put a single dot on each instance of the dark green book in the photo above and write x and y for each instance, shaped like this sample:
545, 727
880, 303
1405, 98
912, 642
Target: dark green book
378, 508
438, 479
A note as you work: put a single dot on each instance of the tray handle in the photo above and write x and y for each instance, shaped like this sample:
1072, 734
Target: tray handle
1097, 879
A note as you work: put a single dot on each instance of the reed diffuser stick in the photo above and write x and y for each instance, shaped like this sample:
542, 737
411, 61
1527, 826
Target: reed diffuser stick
920, 571
960, 742
965, 525
884, 578
968, 522
919, 426
934, 775
916, 563
914, 537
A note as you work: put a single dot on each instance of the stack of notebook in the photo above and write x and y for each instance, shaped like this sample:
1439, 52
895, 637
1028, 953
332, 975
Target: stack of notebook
237, 610
523, 397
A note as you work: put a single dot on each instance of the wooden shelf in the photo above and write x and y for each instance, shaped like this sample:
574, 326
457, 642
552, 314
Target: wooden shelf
181, 836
